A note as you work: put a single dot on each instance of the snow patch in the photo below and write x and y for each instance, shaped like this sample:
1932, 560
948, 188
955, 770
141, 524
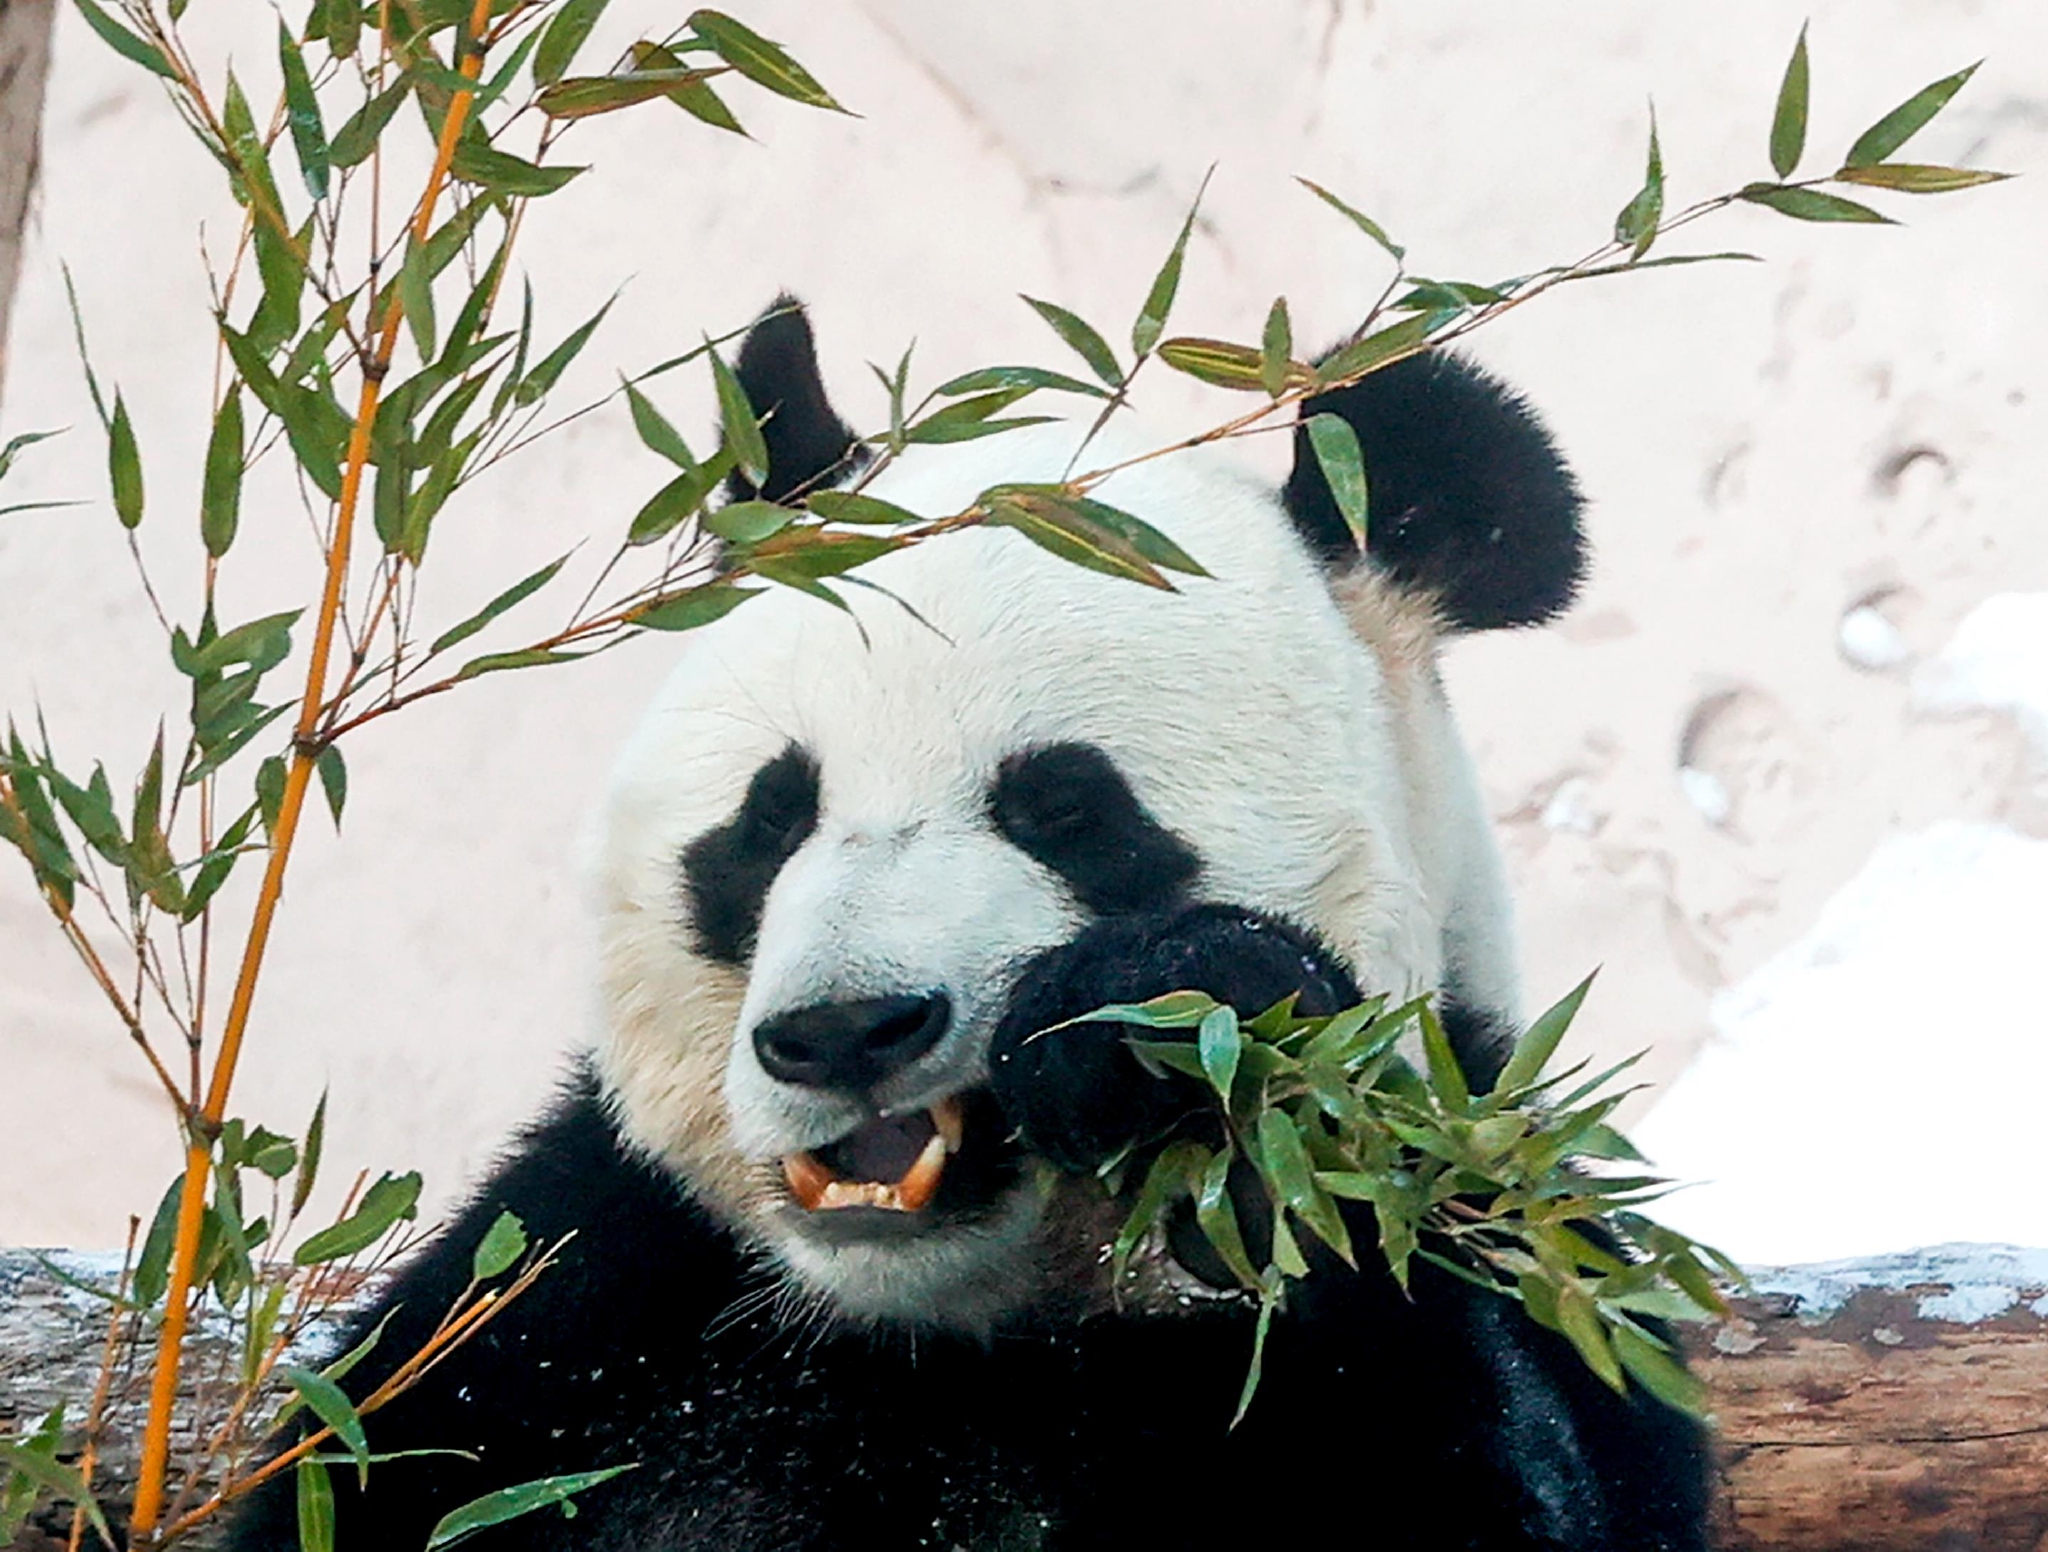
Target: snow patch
1981, 1281
1875, 1086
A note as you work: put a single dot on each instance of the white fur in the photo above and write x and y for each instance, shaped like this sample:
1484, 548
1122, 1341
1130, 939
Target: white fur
1316, 777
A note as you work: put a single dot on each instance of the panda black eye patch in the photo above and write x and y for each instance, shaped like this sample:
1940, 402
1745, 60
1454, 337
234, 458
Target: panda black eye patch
727, 872
1069, 807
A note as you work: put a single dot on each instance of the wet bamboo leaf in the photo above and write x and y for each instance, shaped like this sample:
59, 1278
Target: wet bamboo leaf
1337, 454
1357, 218
1788, 122
124, 42
1082, 339
302, 109
1918, 178
220, 490
1151, 319
502, 1245
510, 1503
1811, 204
1639, 218
762, 62
742, 428
1276, 350
124, 466
699, 606
392, 1198
1905, 121
316, 1506
503, 173
516, 594
359, 134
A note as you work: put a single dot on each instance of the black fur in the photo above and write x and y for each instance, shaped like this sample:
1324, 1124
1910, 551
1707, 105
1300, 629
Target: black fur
1067, 806
1470, 499
808, 444
1446, 1420
727, 872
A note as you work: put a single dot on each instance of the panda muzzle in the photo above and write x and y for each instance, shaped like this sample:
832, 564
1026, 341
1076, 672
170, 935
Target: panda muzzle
892, 1162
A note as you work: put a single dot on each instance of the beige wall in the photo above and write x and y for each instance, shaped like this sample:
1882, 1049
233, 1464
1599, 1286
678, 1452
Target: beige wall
1764, 447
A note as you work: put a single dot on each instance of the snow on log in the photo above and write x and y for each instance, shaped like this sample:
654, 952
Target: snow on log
1892, 1404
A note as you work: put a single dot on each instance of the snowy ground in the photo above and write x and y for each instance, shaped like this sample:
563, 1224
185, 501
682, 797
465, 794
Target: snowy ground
1883, 1082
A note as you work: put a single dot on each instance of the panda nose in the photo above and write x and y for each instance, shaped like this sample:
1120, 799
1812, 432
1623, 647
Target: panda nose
851, 1045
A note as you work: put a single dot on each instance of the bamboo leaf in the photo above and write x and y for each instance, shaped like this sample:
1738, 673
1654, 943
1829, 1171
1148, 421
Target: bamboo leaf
503, 173
1357, 218
655, 431
59, 1479
1217, 362
503, 1244
124, 42
1918, 178
843, 506
309, 1156
988, 379
742, 427
302, 111
1151, 319
1788, 121
316, 1505
392, 1198
516, 594
763, 63
332, 770
1811, 204
1540, 1041
535, 384
124, 466
1343, 464
1905, 121
1276, 350
1375, 350
1637, 223
1219, 1043
509, 1503
582, 97
699, 606
220, 490
565, 34
359, 134
326, 1401
1082, 339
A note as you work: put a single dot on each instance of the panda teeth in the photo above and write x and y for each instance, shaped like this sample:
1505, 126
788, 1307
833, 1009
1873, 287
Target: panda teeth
921, 1180
951, 1121
818, 1189
809, 1179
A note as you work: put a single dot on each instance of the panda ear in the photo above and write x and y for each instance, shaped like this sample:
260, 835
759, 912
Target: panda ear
808, 444
1470, 500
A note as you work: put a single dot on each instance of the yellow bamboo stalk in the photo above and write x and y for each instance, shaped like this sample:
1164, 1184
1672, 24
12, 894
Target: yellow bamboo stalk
156, 1439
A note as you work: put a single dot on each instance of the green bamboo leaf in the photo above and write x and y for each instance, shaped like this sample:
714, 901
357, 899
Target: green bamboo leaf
509, 1503
748, 522
220, 490
124, 466
326, 1401
1788, 122
1540, 1041
152, 1266
392, 1198
316, 1505
1082, 339
582, 97
517, 593
844, 506
1276, 349
810, 554
503, 1244
968, 419
1359, 219
1446, 1077
698, 606
59, 1479
535, 384
1269, 1301
742, 428
1578, 1320
503, 173
1918, 177
697, 99
124, 42
309, 1156
1639, 218
333, 773
565, 34
1343, 464
1172, 1175
676, 501
1220, 1043
1355, 360
656, 432
1216, 1216
359, 134
504, 662
762, 62
1658, 1372
302, 111
1811, 204
1905, 121
1151, 319
990, 378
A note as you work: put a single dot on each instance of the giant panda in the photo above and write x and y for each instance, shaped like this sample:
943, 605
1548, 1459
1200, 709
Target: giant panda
838, 1276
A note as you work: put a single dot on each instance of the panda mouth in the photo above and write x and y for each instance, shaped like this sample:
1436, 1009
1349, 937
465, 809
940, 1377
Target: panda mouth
895, 1163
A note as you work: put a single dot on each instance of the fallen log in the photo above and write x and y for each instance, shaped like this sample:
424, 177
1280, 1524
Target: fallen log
1893, 1404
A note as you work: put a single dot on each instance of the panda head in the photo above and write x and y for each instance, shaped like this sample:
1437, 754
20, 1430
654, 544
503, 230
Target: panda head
834, 843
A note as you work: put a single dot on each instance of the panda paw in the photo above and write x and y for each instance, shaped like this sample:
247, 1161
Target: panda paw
1076, 1095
